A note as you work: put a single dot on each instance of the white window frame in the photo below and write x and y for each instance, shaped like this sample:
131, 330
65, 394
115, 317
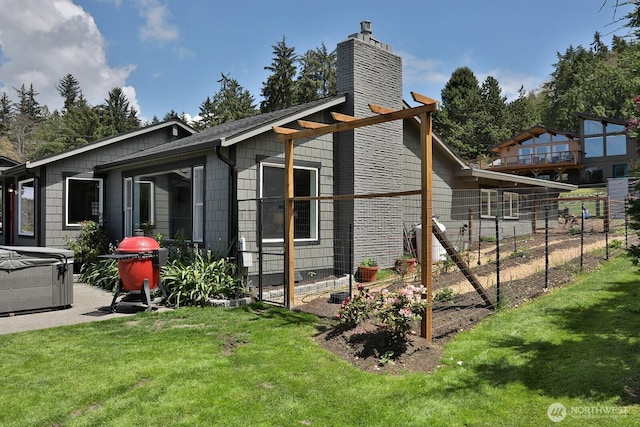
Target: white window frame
100, 182
21, 185
510, 205
152, 198
127, 206
492, 201
314, 217
197, 217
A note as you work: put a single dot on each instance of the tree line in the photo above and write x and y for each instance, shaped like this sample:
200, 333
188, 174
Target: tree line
473, 117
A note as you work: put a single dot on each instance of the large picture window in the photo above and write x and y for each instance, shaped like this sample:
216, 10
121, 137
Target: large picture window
26, 208
305, 183
488, 203
83, 200
167, 202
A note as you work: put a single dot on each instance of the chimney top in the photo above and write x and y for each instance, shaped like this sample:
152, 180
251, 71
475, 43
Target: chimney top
365, 36
365, 27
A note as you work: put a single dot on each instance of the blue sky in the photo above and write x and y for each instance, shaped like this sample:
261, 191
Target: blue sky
168, 54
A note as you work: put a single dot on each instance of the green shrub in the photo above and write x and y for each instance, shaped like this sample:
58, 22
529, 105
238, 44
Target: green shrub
195, 282
103, 274
444, 295
369, 262
91, 242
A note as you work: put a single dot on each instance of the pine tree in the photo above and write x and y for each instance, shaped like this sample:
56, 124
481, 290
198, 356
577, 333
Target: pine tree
317, 77
116, 115
69, 89
279, 90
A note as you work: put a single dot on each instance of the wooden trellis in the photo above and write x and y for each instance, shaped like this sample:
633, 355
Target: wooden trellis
344, 123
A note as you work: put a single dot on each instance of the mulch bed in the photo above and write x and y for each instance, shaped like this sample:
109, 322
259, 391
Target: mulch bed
372, 349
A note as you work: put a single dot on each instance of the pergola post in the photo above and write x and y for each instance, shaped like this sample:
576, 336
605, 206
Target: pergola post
289, 274
426, 253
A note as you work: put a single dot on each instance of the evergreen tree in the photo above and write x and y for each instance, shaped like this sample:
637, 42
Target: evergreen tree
459, 118
116, 115
69, 89
317, 77
231, 102
6, 114
279, 90
27, 103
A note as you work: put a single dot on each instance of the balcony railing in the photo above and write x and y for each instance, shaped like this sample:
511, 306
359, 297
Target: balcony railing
530, 161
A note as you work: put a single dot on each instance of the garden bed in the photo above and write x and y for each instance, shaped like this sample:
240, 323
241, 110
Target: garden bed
371, 349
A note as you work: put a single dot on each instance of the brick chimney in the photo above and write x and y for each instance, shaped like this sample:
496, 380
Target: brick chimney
369, 159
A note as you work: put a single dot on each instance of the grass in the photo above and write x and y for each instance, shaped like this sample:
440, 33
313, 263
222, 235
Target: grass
259, 366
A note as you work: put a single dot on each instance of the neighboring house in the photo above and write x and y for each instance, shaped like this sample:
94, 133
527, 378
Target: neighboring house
225, 185
600, 151
45, 200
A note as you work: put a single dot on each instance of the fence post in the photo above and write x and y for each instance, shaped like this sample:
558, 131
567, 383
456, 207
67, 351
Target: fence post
350, 270
546, 247
470, 228
626, 223
582, 237
260, 260
607, 212
479, 236
497, 263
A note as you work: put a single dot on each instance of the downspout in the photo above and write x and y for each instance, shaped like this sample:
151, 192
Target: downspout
232, 209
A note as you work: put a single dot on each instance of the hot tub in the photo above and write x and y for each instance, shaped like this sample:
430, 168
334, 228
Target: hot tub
35, 278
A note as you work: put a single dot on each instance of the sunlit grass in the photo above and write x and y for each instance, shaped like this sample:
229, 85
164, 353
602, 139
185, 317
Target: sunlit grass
255, 366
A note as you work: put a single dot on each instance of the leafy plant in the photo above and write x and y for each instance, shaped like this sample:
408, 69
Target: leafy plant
615, 244
444, 295
103, 274
195, 282
394, 310
357, 308
522, 252
386, 359
91, 242
487, 239
369, 262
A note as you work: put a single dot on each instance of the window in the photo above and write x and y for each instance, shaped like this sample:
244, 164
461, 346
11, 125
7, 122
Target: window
620, 171
488, 203
510, 208
198, 203
83, 200
616, 145
524, 155
144, 209
26, 208
594, 147
127, 204
592, 127
167, 202
542, 154
305, 183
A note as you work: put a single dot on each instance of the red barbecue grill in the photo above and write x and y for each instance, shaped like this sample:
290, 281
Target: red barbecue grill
139, 261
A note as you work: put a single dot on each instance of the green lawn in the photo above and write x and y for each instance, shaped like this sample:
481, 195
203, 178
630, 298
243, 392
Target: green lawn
578, 346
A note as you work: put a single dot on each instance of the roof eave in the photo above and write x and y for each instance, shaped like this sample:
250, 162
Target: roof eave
516, 179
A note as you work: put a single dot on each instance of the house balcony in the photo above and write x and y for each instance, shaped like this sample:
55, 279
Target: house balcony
561, 160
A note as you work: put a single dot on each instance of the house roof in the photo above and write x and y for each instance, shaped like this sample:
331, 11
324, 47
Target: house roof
529, 133
230, 133
601, 118
93, 145
498, 178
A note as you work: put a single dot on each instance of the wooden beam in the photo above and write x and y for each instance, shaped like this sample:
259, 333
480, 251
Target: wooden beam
283, 131
378, 109
423, 99
289, 259
311, 125
358, 123
339, 117
426, 253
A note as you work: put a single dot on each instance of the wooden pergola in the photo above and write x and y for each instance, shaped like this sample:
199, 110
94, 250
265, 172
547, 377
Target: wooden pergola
344, 123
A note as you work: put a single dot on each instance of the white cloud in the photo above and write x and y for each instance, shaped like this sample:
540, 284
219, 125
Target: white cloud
156, 25
511, 82
41, 41
417, 70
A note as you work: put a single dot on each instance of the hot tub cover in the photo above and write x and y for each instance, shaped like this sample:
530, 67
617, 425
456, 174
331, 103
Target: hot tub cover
19, 257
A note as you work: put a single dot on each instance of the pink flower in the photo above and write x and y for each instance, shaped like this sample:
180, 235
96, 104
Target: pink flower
405, 312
